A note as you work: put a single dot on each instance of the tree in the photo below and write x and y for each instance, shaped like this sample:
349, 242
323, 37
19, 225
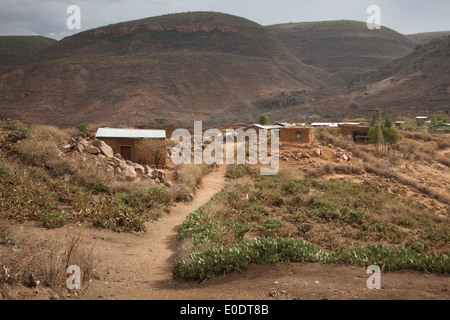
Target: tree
376, 136
158, 149
376, 117
438, 118
264, 119
383, 132
391, 135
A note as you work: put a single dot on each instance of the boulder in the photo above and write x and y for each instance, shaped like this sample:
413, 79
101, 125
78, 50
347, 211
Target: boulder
93, 150
78, 147
129, 173
139, 169
158, 174
104, 148
83, 142
317, 152
168, 184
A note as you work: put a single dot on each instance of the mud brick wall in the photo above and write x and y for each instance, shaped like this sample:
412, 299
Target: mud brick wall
289, 134
349, 130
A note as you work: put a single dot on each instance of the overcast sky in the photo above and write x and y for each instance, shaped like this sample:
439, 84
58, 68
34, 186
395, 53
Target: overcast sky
48, 17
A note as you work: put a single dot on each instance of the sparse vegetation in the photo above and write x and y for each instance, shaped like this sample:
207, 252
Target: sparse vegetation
280, 213
34, 187
32, 265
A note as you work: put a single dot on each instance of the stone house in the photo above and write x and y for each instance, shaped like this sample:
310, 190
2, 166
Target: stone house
143, 146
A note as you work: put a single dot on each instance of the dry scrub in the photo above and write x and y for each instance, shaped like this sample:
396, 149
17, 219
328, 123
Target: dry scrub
38, 265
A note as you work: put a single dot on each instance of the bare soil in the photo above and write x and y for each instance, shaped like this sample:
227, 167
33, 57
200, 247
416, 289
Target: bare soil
138, 267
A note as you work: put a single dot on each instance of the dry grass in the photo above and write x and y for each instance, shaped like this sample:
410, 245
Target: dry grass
189, 178
407, 181
339, 168
41, 148
36, 264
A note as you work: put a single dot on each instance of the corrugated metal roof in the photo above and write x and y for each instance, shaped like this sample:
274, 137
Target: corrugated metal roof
271, 127
130, 133
325, 124
286, 124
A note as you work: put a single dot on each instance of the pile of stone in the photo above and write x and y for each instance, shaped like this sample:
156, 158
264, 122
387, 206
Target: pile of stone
89, 145
116, 165
342, 155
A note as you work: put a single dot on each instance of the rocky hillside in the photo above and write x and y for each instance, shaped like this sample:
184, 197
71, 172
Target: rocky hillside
345, 48
200, 66
418, 81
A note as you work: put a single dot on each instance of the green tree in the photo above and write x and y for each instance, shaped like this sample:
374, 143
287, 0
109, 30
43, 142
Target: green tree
376, 136
376, 117
82, 127
437, 118
391, 135
264, 119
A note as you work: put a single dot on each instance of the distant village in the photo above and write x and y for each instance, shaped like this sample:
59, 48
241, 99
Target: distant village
130, 143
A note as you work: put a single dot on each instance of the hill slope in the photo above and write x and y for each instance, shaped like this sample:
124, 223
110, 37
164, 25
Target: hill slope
426, 37
179, 67
418, 81
345, 48
14, 49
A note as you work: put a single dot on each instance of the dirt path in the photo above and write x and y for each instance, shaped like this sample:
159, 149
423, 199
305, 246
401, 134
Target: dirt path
139, 267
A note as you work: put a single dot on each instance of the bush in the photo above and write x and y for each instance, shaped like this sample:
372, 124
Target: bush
17, 129
41, 149
220, 260
240, 170
54, 219
189, 178
128, 212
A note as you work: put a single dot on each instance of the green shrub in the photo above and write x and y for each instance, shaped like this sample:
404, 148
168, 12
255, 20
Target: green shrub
220, 260
54, 219
305, 227
17, 129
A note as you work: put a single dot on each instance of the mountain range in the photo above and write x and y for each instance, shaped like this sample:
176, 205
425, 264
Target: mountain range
217, 67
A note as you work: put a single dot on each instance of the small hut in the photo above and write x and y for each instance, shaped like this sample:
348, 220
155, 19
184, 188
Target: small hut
137, 145
358, 132
297, 134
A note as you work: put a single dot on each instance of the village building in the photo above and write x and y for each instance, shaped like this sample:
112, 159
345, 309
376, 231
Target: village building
400, 124
143, 146
358, 132
325, 124
297, 134
285, 124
